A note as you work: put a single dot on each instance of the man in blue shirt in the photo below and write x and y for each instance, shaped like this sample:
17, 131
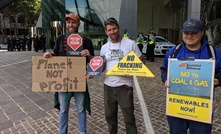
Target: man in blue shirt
193, 45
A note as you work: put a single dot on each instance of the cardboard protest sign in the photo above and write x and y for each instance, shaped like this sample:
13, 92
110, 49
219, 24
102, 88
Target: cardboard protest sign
74, 44
131, 65
191, 89
58, 74
95, 66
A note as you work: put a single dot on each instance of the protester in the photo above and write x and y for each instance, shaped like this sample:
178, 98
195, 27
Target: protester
193, 45
72, 25
118, 89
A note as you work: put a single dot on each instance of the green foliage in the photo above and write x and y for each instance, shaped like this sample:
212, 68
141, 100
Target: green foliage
28, 9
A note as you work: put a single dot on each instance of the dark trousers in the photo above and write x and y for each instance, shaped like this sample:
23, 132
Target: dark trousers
180, 126
18, 46
36, 47
43, 47
140, 46
150, 52
10, 47
23, 47
29, 46
124, 97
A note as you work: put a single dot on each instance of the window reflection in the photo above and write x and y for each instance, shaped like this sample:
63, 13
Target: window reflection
89, 20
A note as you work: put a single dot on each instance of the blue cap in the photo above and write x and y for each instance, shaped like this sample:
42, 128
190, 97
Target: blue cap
192, 25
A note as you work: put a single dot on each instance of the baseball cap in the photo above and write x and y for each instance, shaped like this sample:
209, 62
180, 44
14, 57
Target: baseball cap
192, 25
72, 16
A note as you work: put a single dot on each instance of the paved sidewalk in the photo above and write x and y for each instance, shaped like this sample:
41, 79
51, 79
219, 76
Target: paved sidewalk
23, 111
155, 97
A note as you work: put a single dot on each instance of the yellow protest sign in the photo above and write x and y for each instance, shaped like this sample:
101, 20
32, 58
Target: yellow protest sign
190, 95
131, 65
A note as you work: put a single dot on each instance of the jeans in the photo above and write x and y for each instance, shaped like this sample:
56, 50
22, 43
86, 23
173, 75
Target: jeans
180, 126
64, 109
124, 97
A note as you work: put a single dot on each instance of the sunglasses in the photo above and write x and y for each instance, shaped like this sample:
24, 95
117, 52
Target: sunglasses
110, 20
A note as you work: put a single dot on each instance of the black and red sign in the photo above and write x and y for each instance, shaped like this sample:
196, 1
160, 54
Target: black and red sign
74, 44
95, 66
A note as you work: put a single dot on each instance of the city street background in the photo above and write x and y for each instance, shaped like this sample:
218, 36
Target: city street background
23, 111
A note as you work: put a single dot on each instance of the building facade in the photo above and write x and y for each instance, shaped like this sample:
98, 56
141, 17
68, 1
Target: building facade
92, 15
165, 16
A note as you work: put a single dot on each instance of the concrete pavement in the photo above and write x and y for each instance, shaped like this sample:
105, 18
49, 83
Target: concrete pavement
23, 111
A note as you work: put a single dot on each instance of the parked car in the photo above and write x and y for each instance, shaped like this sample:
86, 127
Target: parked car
162, 46
3, 46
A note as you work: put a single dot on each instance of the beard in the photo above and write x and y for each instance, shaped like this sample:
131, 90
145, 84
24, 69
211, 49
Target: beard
115, 38
72, 29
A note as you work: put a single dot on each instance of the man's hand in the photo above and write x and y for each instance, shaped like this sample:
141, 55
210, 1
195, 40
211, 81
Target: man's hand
47, 55
128, 75
216, 82
85, 53
166, 84
88, 76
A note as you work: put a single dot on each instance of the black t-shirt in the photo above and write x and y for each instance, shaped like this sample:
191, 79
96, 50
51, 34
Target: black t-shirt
60, 46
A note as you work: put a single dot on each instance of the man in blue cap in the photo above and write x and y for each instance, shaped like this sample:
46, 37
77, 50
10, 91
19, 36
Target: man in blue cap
194, 46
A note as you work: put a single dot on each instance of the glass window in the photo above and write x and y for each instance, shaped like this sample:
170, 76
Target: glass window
161, 40
71, 6
90, 23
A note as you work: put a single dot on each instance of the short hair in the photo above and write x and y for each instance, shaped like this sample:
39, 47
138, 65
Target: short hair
110, 21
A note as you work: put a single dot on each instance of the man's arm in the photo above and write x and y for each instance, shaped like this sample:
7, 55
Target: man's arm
163, 74
104, 66
217, 79
142, 59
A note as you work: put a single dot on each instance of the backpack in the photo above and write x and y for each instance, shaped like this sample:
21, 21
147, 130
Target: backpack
210, 49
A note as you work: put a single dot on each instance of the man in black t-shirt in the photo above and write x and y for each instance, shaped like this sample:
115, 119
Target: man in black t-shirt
82, 99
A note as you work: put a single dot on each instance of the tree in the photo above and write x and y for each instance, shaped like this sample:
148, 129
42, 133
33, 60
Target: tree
30, 10
27, 9
212, 21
